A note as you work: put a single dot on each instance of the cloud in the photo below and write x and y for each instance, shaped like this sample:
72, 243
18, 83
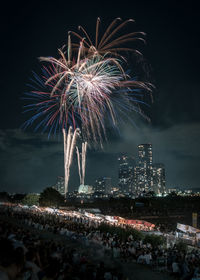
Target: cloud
28, 161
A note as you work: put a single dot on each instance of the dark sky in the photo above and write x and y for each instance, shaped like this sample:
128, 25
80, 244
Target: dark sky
30, 162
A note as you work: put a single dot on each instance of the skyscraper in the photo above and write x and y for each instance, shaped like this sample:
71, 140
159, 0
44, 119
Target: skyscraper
145, 156
158, 176
126, 174
143, 171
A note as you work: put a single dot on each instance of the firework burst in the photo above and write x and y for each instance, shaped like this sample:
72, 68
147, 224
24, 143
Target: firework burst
98, 90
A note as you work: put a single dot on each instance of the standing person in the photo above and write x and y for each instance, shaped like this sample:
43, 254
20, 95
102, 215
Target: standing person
148, 257
175, 268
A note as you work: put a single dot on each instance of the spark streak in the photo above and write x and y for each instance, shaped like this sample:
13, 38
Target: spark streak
109, 43
81, 166
69, 145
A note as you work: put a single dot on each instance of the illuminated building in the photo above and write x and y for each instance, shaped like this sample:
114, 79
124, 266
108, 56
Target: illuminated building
85, 189
108, 186
145, 156
60, 185
103, 185
126, 174
143, 171
158, 176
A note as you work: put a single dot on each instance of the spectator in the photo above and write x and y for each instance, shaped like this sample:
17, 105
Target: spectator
175, 268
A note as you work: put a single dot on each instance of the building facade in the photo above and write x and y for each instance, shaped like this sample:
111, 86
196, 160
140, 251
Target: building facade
103, 185
158, 176
143, 171
126, 174
60, 185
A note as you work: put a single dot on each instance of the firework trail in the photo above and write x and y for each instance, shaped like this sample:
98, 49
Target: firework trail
81, 166
84, 150
49, 112
69, 145
109, 42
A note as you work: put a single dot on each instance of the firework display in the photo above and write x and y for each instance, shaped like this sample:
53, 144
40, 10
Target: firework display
84, 88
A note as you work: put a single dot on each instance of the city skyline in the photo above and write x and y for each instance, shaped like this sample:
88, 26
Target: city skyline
136, 176
111, 169
29, 161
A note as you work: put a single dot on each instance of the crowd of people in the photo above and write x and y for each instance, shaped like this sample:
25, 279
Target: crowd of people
25, 255
31, 257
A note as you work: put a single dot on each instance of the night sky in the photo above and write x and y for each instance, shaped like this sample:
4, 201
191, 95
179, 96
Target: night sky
31, 162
